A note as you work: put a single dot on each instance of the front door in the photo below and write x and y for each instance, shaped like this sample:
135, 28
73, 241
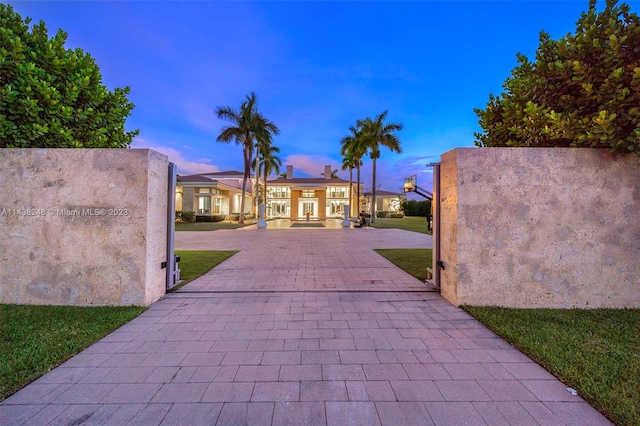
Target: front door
308, 207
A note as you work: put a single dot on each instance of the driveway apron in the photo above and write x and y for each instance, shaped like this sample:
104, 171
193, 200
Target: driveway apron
301, 326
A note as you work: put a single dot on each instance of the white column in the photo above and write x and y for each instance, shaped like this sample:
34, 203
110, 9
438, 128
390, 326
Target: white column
261, 222
346, 222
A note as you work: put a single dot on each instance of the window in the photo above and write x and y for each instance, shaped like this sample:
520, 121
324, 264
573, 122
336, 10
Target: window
308, 193
216, 206
203, 190
337, 192
278, 208
204, 205
278, 192
336, 208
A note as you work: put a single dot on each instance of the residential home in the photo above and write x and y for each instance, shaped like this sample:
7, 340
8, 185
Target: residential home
213, 194
315, 198
386, 201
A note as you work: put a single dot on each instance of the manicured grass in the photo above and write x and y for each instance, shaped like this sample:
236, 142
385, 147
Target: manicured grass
408, 223
194, 263
413, 261
596, 352
210, 226
34, 339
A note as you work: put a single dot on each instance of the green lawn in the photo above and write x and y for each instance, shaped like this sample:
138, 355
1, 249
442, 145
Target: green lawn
195, 263
595, 351
209, 226
413, 261
408, 223
35, 339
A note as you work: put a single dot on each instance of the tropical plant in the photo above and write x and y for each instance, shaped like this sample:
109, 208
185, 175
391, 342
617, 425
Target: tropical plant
582, 90
355, 145
248, 126
266, 162
377, 134
53, 97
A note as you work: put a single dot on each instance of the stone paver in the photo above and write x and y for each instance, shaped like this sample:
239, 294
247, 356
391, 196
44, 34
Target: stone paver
301, 326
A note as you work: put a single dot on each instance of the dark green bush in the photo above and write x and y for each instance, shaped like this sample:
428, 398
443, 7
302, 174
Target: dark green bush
182, 216
417, 208
215, 218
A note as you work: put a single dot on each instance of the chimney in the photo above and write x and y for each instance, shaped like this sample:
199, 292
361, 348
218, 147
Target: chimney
289, 172
327, 172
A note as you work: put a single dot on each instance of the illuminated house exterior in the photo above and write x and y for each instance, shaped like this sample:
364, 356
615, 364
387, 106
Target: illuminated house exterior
219, 194
212, 194
319, 197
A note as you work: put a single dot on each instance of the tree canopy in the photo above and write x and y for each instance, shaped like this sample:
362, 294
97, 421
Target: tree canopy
53, 97
582, 90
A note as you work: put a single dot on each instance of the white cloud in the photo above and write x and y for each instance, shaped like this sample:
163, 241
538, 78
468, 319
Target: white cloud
184, 166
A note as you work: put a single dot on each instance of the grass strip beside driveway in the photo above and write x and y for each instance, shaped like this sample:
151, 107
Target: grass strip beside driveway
194, 263
34, 339
413, 261
595, 351
209, 226
408, 223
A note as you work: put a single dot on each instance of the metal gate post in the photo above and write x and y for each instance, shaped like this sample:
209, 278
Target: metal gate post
171, 227
435, 206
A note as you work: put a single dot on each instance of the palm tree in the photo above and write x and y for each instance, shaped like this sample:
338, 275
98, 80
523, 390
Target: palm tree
248, 125
266, 162
356, 145
349, 162
378, 133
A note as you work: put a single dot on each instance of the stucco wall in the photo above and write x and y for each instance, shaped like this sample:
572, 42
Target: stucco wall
96, 230
532, 227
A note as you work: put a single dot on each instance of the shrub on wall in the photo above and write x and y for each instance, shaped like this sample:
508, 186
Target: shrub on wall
52, 97
582, 90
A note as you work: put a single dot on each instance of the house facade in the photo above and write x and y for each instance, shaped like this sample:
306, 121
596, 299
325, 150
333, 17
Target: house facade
219, 194
294, 198
213, 194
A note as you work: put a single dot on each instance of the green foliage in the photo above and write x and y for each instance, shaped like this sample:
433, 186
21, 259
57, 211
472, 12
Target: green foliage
183, 216
583, 90
389, 214
52, 97
417, 208
216, 218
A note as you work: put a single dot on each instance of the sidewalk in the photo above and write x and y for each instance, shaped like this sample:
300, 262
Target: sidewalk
302, 326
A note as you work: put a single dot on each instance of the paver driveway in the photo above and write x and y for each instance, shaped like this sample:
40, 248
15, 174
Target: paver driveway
302, 326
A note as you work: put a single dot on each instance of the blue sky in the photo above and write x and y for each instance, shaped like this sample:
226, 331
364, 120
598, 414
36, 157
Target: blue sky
316, 67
